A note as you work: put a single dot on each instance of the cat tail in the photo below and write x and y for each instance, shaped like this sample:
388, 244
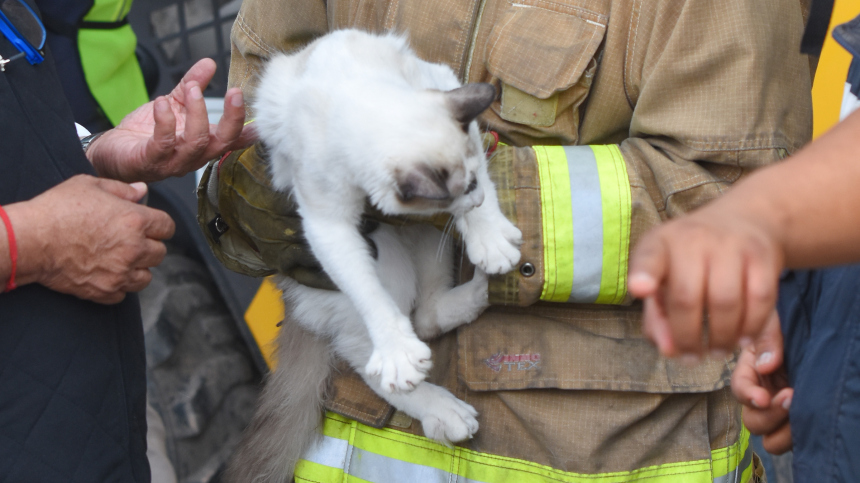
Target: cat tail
289, 411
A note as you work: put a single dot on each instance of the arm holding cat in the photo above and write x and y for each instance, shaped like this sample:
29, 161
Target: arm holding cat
692, 132
88, 236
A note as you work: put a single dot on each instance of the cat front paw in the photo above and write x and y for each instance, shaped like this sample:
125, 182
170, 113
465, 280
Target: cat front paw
448, 419
494, 244
400, 366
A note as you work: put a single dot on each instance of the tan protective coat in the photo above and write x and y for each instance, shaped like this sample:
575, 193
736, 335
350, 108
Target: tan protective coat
695, 92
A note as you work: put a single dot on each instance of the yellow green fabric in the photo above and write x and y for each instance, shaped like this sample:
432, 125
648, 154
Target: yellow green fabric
617, 206
557, 223
110, 66
353, 452
585, 211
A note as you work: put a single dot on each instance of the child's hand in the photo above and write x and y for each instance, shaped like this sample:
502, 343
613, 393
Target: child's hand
760, 384
710, 262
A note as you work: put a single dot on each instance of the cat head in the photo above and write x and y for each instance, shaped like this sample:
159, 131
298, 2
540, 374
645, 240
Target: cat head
440, 171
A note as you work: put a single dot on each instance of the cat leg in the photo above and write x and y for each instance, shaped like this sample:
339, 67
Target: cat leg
399, 358
492, 241
444, 417
439, 307
447, 309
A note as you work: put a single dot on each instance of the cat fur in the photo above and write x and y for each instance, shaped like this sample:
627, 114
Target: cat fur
355, 117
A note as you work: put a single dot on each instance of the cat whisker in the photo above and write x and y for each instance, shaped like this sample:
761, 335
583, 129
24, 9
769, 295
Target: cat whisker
446, 234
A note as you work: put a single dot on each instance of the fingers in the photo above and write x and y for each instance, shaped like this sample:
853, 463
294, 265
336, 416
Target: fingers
778, 441
159, 225
230, 126
656, 327
648, 267
160, 146
762, 282
746, 384
135, 281
769, 419
725, 300
195, 138
684, 297
768, 346
133, 192
200, 73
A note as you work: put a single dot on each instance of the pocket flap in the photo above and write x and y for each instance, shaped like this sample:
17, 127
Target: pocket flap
588, 347
542, 47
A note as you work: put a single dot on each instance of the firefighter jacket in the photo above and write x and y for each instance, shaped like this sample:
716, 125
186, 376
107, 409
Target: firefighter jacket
634, 112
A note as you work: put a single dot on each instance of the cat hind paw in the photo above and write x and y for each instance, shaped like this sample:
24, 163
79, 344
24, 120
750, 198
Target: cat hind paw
400, 369
450, 421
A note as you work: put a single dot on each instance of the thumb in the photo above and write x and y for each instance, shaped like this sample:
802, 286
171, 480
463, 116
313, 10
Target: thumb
648, 266
131, 192
768, 346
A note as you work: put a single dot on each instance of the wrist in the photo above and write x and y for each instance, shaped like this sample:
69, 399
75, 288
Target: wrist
92, 146
31, 250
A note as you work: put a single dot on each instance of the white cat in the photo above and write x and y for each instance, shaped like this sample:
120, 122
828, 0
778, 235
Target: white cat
355, 117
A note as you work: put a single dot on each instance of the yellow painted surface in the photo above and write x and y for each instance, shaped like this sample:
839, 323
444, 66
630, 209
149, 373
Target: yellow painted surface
263, 316
832, 71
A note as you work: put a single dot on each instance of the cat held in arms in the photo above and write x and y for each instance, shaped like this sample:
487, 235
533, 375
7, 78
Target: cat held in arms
354, 117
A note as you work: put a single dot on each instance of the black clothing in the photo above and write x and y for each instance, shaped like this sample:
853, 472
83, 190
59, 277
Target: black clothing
61, 18
72, 372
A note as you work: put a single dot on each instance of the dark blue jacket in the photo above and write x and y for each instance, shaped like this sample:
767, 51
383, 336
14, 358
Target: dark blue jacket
72, 372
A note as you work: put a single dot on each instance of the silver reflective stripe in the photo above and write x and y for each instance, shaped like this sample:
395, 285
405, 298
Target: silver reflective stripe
735, 475
369, 466
377, 468
330, 452
587, 210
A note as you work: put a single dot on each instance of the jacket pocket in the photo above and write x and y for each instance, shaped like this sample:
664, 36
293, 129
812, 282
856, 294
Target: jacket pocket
543, 55
587, 347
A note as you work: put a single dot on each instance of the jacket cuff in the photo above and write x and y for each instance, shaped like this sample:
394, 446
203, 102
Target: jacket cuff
573, 205
585, 211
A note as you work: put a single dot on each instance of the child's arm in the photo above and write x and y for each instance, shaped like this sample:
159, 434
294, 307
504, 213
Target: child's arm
726, 257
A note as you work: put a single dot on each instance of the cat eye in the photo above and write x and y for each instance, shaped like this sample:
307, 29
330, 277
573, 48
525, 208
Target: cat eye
472, 186
22, 27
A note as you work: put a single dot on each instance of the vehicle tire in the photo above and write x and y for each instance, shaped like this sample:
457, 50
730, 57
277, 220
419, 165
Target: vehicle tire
200, 376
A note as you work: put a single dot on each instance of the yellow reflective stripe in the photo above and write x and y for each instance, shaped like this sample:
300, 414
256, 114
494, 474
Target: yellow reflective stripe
352, 452
617, 206
727, 461
586, 211
557, 223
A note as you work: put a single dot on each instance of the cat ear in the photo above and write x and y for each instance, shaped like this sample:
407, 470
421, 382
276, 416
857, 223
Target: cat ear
469, 101
423, 182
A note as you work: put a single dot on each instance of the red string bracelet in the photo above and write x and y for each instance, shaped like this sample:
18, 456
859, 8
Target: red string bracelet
13, 249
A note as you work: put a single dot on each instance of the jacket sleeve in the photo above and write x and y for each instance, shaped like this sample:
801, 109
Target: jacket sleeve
710, 96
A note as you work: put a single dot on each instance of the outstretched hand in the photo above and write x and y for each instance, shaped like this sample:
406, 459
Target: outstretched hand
171, 136
711, 261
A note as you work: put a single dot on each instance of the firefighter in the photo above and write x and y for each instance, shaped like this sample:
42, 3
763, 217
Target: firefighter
615, 116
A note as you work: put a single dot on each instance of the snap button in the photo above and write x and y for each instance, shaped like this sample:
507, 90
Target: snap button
527, 269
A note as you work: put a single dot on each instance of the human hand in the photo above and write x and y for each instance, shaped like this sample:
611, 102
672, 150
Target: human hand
87, 237
759, 382
712, 260
171, 136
